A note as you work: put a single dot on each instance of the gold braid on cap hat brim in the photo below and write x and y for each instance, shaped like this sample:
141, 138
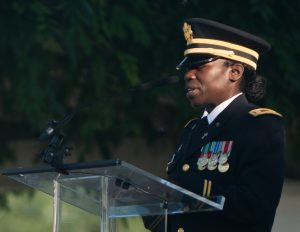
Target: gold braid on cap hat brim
223, 49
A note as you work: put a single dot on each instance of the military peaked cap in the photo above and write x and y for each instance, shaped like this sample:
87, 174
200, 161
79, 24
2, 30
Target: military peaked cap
208, 39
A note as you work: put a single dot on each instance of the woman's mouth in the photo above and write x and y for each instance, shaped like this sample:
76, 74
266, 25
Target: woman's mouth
192, 92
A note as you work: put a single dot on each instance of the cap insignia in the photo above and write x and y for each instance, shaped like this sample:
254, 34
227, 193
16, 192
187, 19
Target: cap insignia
188, 33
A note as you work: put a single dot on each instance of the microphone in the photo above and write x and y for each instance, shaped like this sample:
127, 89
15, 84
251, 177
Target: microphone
156, 83
54, 125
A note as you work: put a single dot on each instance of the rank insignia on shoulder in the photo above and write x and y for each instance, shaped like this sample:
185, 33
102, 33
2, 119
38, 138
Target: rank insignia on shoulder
262, 111
189, 122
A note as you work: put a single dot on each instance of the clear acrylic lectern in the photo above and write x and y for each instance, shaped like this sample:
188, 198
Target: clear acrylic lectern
112, 189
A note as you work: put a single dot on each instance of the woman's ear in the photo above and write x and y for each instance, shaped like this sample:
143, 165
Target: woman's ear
236, 72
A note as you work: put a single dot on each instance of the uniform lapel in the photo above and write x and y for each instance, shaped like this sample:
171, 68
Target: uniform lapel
183, 147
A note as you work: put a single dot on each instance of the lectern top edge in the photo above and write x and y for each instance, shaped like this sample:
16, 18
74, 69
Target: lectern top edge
67, 166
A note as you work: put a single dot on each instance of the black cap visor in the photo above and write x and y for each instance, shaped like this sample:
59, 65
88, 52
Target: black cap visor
195, 60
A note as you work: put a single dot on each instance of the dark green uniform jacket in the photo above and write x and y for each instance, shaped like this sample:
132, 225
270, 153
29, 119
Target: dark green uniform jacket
250, 179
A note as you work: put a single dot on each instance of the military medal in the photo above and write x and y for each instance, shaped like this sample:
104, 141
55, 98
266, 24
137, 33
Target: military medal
226, 149
201, 168
223, 167
223, 158
203, 159
212, 167
213, 161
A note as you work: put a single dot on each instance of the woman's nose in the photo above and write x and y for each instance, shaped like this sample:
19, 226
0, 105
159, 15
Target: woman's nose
190, 75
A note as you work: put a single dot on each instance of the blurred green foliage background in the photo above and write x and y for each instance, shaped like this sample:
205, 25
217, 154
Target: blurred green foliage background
60, 55
33, 212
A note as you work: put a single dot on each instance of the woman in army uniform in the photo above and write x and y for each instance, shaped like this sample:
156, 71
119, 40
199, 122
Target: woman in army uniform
235, 149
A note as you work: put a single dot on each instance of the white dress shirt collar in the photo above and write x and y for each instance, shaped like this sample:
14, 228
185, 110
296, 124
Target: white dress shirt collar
218, 109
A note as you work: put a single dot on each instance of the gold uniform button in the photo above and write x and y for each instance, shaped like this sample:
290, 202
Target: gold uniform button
180, 230
185, 167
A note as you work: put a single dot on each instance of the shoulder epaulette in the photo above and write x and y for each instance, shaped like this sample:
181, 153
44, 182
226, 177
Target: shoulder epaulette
189, 122
262, 111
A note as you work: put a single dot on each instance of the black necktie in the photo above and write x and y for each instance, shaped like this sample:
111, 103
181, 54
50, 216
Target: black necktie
204, 122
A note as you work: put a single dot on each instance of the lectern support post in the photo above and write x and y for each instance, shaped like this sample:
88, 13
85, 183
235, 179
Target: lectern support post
56, 206
106, 224
166, 219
